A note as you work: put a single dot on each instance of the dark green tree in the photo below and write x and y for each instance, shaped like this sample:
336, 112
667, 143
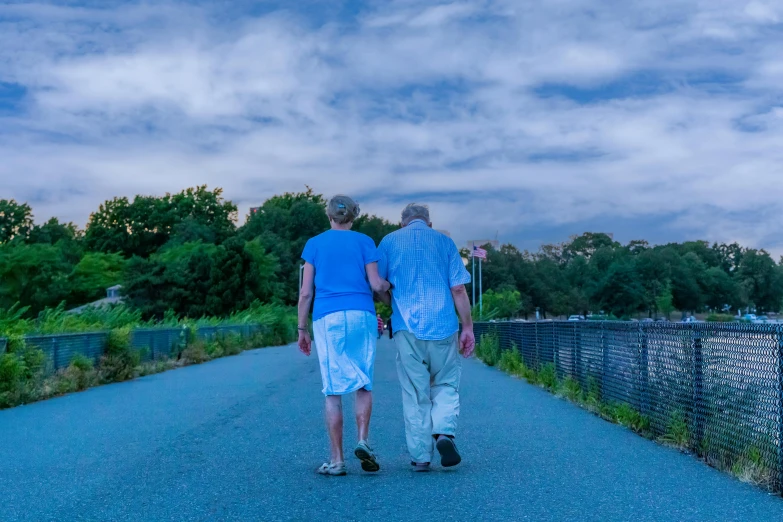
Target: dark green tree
373, 226
143, 226
16, 220
35, 276
94, 273
284, 224
53, 232
761, 279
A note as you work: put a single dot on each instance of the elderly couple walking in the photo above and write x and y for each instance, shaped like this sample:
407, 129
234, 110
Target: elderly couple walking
420, 273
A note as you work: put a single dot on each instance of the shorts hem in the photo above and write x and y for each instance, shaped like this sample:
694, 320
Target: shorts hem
367, 387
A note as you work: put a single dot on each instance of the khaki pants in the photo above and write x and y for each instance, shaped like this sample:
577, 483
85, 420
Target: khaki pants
429, 373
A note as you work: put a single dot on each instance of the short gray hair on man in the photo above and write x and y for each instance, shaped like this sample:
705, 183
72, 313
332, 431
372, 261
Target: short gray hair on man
415, 211
342, 209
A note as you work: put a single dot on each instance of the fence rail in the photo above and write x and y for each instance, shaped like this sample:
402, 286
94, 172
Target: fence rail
61, 349
210, 333
722, 381
153, 343
159, 343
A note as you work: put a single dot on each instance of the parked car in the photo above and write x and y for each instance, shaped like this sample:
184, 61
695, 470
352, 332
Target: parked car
750, 317
577, 318
648, 320
690, 319
661, 320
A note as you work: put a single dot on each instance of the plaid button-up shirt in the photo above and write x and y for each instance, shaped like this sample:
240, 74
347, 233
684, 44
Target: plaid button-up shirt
423, 266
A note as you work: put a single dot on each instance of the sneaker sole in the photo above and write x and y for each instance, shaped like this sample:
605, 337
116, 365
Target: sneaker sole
449, 456
369, 464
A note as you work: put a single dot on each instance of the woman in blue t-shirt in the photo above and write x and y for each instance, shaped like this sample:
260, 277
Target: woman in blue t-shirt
342, 265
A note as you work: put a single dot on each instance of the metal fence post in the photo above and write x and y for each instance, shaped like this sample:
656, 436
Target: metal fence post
556, 349
604, 363
698, 389
55, 358
780, 408
538, 354
644, 374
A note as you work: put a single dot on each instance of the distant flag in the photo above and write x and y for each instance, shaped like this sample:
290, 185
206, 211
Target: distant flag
479, 252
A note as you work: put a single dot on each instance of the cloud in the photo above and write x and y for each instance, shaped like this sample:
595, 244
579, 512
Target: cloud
551, 117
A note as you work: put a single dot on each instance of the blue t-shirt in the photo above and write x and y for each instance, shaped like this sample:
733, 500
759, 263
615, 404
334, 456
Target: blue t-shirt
339, 258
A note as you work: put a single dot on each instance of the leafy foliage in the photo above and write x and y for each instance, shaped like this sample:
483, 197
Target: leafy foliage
182, 254
593, 273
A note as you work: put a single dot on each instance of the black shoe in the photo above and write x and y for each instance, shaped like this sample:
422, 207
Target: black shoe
449, 456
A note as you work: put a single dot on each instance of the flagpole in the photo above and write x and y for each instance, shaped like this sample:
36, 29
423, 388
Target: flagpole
473, 281
481, 293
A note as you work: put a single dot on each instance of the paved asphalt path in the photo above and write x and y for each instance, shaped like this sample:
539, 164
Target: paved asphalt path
239, 439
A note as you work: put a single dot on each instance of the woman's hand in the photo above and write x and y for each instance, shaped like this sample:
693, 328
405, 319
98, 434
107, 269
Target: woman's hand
305, 343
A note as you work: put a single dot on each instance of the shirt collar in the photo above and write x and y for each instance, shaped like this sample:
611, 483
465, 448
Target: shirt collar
419, 221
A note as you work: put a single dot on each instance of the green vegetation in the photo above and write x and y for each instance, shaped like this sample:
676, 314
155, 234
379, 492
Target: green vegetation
23, 371
178, 253
488, 349
592, 272
677, 433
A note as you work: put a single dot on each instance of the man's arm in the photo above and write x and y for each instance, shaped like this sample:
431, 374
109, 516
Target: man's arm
467, 341
305, 301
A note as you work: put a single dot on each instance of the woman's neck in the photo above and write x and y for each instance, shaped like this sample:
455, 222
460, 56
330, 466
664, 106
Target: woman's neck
343, 226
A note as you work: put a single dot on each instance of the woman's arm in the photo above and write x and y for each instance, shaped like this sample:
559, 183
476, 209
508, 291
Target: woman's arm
305, 301
379, 285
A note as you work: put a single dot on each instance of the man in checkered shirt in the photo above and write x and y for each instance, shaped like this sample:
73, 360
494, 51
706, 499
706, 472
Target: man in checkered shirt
428, 280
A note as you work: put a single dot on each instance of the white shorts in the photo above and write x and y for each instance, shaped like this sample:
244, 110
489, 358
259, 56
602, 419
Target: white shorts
345, 342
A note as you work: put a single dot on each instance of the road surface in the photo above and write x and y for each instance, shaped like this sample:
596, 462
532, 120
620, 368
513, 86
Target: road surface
239, 439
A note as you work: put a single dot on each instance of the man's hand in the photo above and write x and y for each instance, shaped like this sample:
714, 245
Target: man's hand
305, 343
467, 342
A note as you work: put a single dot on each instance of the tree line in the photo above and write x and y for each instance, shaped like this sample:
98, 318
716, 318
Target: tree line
179, 253
184, 254
592, 273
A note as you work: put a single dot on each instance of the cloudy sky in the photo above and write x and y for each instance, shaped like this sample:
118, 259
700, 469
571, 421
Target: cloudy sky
651, 119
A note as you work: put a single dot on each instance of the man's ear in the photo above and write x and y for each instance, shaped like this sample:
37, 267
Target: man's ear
429, 224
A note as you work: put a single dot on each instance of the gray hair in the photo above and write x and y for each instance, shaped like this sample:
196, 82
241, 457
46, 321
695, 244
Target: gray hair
415, 211
342, 209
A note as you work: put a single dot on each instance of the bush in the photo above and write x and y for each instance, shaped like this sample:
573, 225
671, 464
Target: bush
82, 371
625, 415
570, 389
677, 433
548, 377
120, 361
199, 352
488, 349
511, 361
12, 376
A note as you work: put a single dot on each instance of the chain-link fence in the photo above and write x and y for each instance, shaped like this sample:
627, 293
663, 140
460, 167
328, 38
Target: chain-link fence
718, 385
211, 333
160, 343
61, 349
152, 343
